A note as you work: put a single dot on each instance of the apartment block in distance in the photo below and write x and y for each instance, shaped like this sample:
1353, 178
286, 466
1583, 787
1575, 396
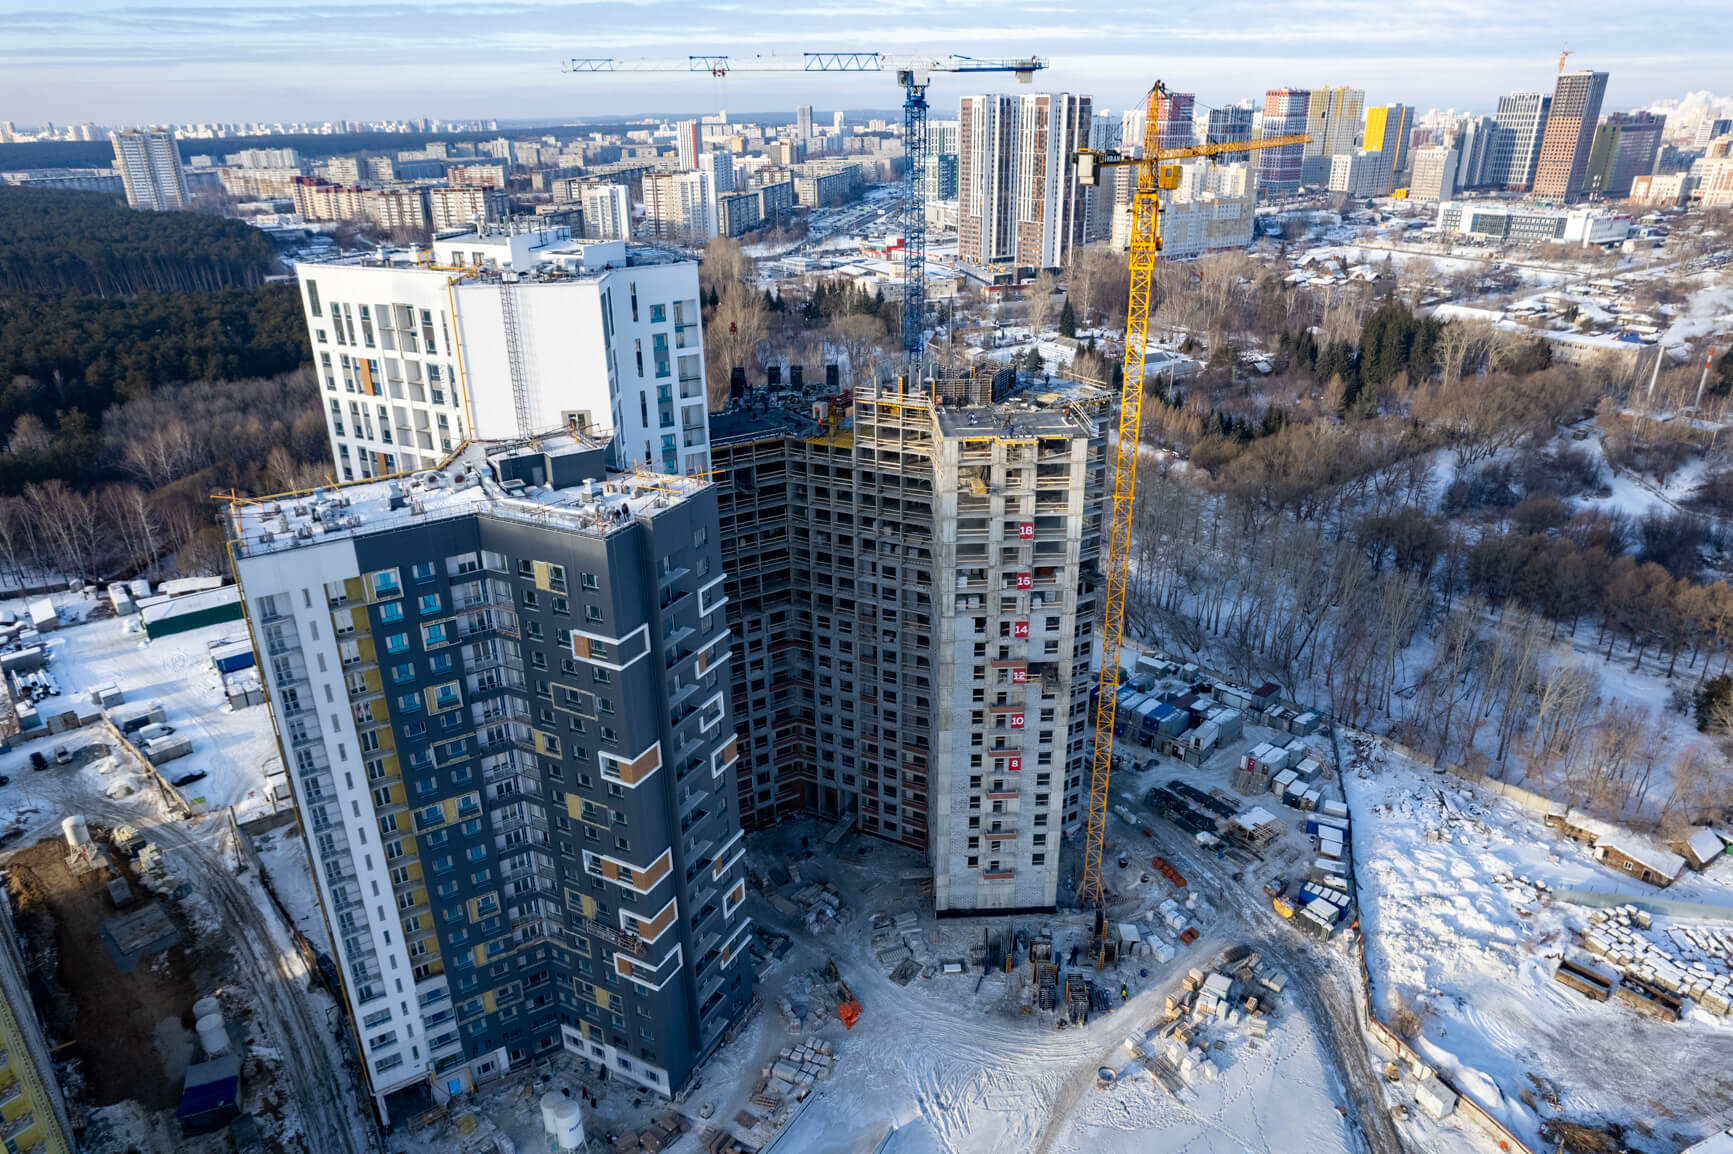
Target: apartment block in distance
500, 688
914, 601
1284, 115
1018, 200
1570, 135
502, 334
151, 171
1521, 121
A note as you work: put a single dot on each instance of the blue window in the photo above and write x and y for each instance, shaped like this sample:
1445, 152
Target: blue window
447, 889
385, 583
404, 672
429, 603
436, 838
421, 759
440, 664
451, 750
442, 864
462, 775
471, 828
452, 720
425, 786
424, 571
397, 643
391, 611
409, 702
477, 852
415, 730
436, 634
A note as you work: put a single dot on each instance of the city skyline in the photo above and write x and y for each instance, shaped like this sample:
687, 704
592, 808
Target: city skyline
123, 63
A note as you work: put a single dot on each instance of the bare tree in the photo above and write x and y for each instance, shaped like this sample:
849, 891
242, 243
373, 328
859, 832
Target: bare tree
1039, 309
732, 338
68, 524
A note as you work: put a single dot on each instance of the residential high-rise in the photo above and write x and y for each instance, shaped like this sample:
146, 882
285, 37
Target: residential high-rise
1333, 124
803, 123
939, 180
1019, 201
1570, 133
688, 143
521, 809
35, 1115
413, 360
1625, 147
943, 136
1284, 115
1212, 209
150, 168
607, 211
466, 208
1521, 123
915, 606
1230, 125
838, 122
718, 170
1387, 128
677, 207
1360, 174
1173, 113
1434, 176
1474, 138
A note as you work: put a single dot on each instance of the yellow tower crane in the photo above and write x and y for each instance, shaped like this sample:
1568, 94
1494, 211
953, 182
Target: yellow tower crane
1153, 177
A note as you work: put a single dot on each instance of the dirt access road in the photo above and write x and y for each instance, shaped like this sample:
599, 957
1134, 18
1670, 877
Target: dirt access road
1324, 980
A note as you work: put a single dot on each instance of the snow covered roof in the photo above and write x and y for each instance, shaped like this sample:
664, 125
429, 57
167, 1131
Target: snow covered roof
1254, 817
1721, 1143
1705, 845
190, 603
1641, 849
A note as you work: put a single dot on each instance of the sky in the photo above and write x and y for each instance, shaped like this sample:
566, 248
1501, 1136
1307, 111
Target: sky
115, 62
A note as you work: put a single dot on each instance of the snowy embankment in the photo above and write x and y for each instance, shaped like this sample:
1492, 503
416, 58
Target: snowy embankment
1464, 932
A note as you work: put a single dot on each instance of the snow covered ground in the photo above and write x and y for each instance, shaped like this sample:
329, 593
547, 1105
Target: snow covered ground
234, 748
1458, 932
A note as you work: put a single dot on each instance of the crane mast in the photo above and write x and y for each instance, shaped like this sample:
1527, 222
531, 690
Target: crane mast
1153, 177
913, 74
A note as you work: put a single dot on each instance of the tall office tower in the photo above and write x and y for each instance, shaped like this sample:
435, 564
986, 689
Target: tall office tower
607, 211
943, 136
1173, 111
1570, 134
1230, 125
1333, 124
677, 207
689, 143
1708, 129
1625, 147
150, 169
838, 122
1018, 197
1474, 138
413, 361
1284, 115
1387, 128
915, 608
35, 1117
521, 813
1521, 123
803, 123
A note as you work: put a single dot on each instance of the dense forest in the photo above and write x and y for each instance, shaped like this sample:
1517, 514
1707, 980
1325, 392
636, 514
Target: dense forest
53, 240
144, 363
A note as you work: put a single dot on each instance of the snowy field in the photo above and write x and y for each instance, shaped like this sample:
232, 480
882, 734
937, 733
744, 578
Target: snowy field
1458, 932
234, 748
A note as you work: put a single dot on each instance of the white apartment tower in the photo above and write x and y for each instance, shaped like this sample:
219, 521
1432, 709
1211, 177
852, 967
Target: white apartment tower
607, 211
689, 141
677, 207
150, 169
505, 335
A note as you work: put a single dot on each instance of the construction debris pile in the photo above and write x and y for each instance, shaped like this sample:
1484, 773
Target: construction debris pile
1694, 962
1211, 1011
818, 904
662, 1133
776, 1095
901, 947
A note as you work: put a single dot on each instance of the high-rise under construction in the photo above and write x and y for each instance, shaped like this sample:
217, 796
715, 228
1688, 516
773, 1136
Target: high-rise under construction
913, 597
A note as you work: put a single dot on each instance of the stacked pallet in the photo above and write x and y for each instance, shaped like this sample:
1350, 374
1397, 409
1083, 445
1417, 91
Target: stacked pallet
1702, 972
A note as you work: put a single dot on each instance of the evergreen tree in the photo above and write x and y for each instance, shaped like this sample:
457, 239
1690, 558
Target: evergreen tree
1068, 320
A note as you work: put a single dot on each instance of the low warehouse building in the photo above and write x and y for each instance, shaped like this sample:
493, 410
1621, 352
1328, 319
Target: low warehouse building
194, 611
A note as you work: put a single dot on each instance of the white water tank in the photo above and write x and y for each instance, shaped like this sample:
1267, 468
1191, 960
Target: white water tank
563, 1121
77, 832
213, 1038
205, 1007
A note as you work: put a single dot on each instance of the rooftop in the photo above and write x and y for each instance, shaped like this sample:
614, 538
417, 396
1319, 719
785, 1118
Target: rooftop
558, 481
548, 253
